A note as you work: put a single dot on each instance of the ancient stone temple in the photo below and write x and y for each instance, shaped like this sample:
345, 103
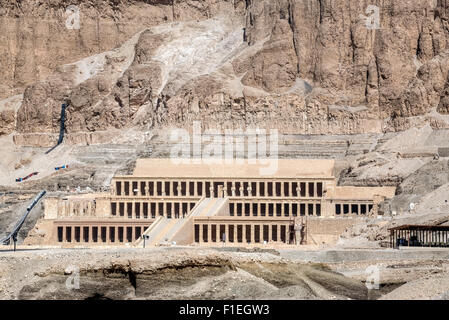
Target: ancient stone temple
186, 202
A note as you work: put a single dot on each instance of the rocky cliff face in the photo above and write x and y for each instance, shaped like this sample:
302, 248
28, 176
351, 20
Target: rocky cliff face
301, 66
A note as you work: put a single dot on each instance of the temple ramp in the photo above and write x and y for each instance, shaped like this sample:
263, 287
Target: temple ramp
217, 207
183, 233
154, 232
202, 207
180, 231
160, 235
205, 208
157, 231
211, 208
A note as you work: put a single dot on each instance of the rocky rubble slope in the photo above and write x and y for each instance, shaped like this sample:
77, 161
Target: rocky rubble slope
166, 273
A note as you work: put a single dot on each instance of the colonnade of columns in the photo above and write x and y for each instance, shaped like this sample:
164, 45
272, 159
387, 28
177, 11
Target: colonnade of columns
419, 236
241, 233
353, 208
279, 209
151, 209
213, 188
99, 233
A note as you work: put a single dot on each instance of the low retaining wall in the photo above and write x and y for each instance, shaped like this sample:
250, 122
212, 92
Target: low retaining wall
327, 230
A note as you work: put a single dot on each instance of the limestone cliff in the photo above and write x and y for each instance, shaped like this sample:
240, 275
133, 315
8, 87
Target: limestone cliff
301, 66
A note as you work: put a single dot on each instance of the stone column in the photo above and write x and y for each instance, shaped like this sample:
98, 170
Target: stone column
179, 190
307, 190
204, 188
195, 188
140, 210
209, 233
227, 232
252, 235
147, 188
282, 189
91, 237
217, 233
188, 188
133, 233
250, 190
242, 190
162, 188
116, 239
81, 234
225, 190
266, 189
64, 234
164, 209
201, 232
270, 232
108, 234
133, 210
235, 233
258, 189
244, 240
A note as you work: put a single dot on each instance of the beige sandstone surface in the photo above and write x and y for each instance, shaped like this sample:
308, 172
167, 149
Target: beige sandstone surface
373, 100
295, 65
168, 273
220, 273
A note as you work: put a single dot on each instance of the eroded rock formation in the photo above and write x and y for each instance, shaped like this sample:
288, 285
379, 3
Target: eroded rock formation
301, 66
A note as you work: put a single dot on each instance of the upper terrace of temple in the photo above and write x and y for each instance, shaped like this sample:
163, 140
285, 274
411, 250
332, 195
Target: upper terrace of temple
234, 168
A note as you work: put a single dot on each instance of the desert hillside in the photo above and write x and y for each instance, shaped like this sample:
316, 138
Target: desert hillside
374, 99
304, 67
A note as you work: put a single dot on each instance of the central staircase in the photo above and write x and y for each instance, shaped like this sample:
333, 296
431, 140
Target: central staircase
180, 230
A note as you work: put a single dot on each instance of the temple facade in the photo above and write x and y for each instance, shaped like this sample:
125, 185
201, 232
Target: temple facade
188, 203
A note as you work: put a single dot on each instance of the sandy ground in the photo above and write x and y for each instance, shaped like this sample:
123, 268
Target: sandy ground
31, 160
